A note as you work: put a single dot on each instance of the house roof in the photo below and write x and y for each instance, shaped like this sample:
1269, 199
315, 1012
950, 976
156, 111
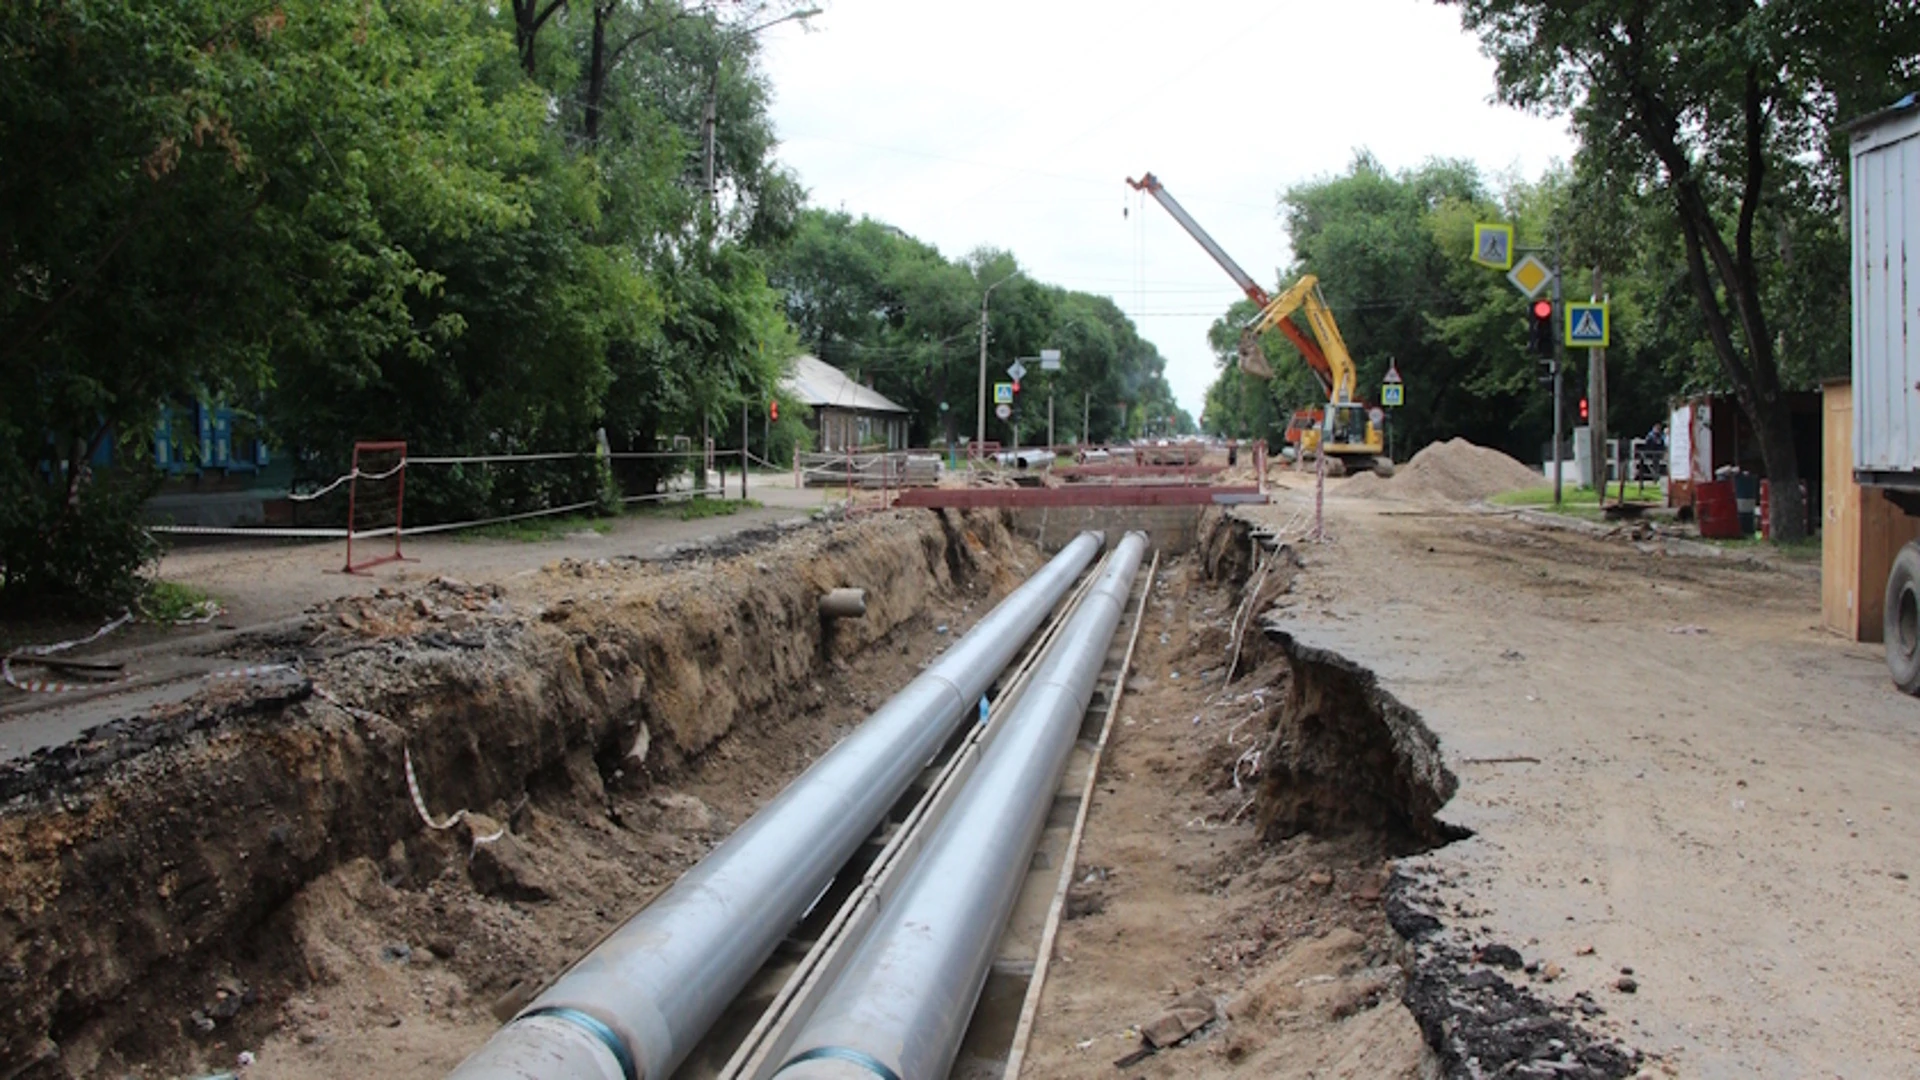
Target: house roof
819, 384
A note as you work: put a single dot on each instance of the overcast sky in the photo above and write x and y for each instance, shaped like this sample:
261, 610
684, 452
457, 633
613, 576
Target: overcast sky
1013, 123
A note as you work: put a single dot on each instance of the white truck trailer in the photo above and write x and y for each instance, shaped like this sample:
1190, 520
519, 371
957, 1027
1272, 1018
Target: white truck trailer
1885, 206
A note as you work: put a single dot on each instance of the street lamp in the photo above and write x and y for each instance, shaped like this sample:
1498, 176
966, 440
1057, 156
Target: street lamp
980, 410
712, 117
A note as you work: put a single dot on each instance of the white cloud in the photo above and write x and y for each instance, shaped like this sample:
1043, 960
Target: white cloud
1013, 125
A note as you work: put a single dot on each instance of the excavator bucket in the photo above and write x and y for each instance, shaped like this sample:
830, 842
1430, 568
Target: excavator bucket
1252, 360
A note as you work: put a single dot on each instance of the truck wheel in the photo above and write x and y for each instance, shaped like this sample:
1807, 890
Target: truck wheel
1902, 619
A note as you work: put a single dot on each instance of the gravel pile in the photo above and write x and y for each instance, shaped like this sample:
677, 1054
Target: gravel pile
1454, 471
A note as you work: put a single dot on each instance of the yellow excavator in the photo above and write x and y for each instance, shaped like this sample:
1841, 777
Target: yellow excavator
1346, 431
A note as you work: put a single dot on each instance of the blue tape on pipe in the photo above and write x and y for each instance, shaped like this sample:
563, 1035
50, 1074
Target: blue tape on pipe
599, 1031
844, 1053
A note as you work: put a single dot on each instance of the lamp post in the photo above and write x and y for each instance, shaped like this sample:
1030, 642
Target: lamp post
711, 119
980, 410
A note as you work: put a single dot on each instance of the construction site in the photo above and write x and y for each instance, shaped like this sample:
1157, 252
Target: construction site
557, 541
1190, 779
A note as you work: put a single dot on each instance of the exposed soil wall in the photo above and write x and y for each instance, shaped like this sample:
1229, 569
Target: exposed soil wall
1346, 756
164, 847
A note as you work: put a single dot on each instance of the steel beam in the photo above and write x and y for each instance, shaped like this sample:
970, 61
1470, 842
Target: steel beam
1080, 495
638, 1003
902, 1004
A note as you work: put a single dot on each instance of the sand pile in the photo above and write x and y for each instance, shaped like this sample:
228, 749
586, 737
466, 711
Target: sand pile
1454, 471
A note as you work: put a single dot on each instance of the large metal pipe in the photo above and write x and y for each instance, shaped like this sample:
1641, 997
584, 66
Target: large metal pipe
638, 1003
901, 1005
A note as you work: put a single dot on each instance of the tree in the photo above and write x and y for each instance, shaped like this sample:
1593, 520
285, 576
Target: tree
1731, 111
872, 300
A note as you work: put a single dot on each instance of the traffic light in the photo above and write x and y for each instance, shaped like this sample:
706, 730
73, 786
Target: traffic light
1016, 386
1540, 327
1583, 410
1546, 374
773, 410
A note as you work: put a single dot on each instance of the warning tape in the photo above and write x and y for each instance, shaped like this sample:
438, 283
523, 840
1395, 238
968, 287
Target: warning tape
253, 672
355, 474
44, 686
266, 533
48, 686
485, 459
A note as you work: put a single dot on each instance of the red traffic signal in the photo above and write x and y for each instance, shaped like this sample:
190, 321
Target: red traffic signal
1583, 408
1540, 327
773, 410
1016, 386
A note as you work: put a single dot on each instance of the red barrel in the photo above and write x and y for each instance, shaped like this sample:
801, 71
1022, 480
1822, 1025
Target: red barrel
1716, 510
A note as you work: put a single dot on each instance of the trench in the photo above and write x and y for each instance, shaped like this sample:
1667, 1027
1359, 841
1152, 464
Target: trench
247, 872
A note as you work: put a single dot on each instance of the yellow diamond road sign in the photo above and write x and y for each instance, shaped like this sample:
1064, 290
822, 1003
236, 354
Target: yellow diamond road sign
1530, 276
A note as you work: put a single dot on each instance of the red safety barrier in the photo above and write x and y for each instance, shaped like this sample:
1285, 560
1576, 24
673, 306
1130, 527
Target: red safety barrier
376, 498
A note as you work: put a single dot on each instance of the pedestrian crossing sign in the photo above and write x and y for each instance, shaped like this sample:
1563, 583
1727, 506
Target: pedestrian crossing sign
1392, 393
1588, 326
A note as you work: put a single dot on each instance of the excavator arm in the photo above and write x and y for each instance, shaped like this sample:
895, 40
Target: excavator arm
1330, 361
1251, 359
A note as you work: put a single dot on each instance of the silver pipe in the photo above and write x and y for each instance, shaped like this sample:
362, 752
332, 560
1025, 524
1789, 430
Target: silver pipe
902, 1004
638, 1003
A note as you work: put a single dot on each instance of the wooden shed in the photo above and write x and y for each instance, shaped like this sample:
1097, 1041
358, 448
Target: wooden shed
1860, 530
846, 415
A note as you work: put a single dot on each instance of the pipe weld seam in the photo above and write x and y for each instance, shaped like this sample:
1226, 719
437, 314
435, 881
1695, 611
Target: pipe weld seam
596, 1028
843, 1053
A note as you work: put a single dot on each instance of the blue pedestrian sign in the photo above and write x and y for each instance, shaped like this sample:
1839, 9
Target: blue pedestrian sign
1587, 325
1392, 393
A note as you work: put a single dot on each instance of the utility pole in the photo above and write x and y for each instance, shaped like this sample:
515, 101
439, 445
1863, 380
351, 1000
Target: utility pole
1597, 404
1050, 442
980, 412
980, 407
1086, 418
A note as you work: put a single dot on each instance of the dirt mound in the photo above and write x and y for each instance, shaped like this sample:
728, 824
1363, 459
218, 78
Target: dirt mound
1454, 471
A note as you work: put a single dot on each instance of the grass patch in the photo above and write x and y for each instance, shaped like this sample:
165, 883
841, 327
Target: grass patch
696, 508
533, 530
1569, 496
1574, 501
172, 602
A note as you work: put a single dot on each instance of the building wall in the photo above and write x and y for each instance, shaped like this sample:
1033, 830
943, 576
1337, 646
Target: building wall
840, 429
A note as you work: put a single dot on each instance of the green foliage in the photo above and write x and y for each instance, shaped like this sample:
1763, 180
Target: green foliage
168, 602
79, 549
881, 305
1728, 118
700, 507
463, 225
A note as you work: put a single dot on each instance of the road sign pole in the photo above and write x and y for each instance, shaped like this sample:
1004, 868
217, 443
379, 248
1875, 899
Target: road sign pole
1559, 364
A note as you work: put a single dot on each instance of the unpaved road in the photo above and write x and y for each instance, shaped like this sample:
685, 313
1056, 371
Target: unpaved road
1725, 796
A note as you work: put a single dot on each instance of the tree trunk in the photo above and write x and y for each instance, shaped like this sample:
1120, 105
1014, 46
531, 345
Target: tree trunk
596, 73
1787, 509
